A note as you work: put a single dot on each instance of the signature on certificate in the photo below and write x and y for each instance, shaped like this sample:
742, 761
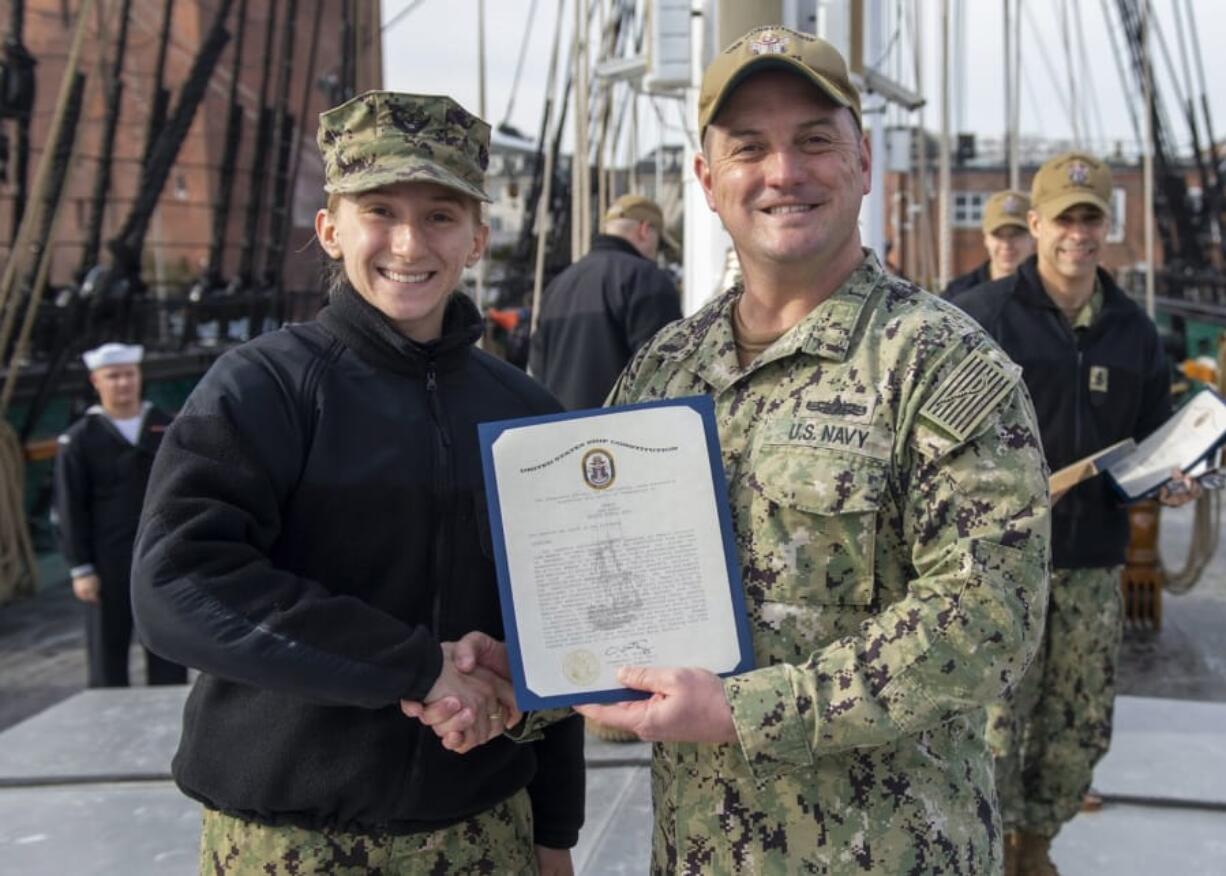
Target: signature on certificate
638, 651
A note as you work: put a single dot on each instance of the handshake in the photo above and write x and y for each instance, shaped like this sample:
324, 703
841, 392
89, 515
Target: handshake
473, 700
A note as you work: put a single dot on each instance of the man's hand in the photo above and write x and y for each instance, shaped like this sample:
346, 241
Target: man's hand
462, 727
1180, 491
87, 588
686, 705
554, 862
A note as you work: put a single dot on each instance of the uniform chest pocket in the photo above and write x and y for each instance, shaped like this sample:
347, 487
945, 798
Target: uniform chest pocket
818, 523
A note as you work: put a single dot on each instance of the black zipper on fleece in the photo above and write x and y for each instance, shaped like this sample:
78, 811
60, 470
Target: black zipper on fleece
1071, 334
442, 493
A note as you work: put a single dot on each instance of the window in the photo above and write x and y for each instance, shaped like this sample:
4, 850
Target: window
1115, 232
967, 208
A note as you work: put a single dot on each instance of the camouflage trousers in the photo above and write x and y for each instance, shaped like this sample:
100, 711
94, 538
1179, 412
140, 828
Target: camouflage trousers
496, 841
1056, 723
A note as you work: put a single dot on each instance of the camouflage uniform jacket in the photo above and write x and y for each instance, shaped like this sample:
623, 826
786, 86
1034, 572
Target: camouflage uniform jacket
890, 503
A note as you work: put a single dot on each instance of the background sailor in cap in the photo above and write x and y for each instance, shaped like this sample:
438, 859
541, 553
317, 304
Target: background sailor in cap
101, 471
598, 312
1097, 374
316, 540
1006, 238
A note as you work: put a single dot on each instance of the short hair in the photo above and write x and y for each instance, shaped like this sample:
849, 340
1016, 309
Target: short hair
622, 225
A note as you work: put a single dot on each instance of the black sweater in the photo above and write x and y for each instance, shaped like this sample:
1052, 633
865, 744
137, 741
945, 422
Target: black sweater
315, 527
594, 316
100, 480
969, 280
1091, 388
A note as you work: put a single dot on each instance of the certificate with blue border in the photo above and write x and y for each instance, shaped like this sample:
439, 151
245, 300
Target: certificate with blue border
614, 546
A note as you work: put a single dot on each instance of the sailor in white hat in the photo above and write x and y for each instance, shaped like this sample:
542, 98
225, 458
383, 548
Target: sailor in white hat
101, 472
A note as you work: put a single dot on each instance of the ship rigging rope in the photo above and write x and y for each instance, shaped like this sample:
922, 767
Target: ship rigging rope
1206, 531
1119, 69
396, 19
1091, 107
519, 64
1048, 65
16, 552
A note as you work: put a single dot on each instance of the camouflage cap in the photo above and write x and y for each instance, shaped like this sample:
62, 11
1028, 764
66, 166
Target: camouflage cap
1005, 208
641, 209
1070, 179
384, 137
775, 48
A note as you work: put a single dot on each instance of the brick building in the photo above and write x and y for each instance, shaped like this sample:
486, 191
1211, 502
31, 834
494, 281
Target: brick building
177, 244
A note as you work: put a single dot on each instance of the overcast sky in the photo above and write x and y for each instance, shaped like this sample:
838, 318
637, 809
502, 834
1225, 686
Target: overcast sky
433, 49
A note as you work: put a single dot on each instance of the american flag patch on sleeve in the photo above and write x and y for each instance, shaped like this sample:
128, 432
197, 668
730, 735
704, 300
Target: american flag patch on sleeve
968, 394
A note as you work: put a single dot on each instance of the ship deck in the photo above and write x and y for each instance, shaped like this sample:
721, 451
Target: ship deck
85, 785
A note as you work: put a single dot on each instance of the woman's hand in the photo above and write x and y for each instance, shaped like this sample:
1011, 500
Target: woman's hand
554, 862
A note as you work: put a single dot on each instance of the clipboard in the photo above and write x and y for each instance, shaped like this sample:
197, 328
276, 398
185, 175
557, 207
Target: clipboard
1189, 437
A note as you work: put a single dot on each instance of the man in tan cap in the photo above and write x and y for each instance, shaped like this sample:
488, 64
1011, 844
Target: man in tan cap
887, 487
1097, 374
1006, 237
598, 312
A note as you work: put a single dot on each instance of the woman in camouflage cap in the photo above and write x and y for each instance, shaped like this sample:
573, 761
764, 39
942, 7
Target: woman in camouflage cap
316, 539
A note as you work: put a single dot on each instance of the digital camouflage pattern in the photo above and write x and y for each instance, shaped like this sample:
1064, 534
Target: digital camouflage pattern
1056, 724
895, 578
384, 137
498, 840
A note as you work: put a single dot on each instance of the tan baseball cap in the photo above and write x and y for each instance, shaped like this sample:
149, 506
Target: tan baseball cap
1070, 179
775, 48
641, 209
1005, 208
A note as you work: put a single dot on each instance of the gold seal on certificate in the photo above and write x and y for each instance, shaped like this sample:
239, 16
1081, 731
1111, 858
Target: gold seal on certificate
613, 547
582, 667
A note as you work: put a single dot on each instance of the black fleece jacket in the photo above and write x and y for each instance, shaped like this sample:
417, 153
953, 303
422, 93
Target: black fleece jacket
969, 280
1091, 388
594, 316
315, 527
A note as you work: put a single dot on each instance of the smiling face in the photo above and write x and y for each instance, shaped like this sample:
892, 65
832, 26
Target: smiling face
1069, 245
404, 247
786, 168
1007, 246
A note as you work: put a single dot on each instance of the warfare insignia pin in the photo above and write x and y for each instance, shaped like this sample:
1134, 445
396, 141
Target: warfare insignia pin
968, 394
1098, 378
768, 43
598, 469
837, 407
1079, 173
1012, 206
